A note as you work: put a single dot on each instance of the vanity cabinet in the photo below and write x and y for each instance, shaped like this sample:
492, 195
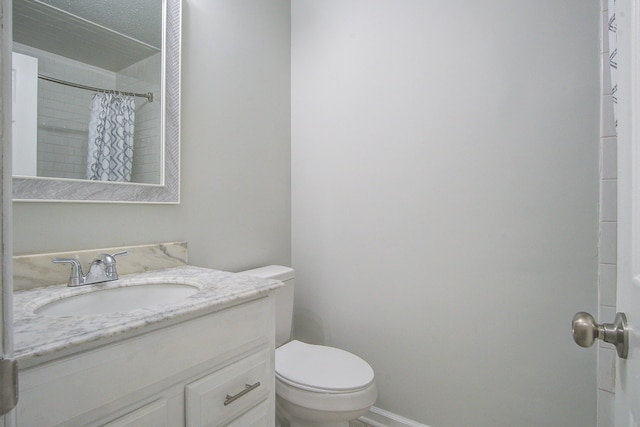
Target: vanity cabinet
178, 375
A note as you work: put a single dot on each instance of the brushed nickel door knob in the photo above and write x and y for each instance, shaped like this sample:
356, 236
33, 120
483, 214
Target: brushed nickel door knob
586, 331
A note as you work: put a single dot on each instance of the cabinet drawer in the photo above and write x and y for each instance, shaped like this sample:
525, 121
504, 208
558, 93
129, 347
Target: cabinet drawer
226, 394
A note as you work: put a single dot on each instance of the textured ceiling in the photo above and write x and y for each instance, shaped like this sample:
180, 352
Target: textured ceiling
139, 19
87, 34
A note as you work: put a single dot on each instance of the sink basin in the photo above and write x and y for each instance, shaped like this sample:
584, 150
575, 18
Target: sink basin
117, 299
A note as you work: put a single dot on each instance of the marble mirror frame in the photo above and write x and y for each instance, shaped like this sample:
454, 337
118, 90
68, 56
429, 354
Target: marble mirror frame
35, 189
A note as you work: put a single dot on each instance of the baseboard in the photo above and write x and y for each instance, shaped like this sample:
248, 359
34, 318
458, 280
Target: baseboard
377, 417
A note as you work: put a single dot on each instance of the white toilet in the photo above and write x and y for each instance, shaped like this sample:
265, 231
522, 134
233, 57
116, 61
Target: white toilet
316, 386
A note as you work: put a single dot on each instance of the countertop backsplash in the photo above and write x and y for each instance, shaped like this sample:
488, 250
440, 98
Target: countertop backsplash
36, 270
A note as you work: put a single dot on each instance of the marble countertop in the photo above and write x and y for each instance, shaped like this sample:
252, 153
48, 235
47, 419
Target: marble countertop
38, 336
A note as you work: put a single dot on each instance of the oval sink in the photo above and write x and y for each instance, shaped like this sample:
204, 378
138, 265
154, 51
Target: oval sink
117, 299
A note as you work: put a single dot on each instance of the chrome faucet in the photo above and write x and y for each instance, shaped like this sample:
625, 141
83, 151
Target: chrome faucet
102, 269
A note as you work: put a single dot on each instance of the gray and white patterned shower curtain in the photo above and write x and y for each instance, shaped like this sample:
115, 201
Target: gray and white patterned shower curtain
110, 150
613, 52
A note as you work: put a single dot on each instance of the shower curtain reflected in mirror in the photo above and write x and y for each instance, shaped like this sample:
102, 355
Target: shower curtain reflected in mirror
111, 126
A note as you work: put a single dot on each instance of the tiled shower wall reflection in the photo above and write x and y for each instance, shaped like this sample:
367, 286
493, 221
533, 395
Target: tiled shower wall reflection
63, 114
608, 228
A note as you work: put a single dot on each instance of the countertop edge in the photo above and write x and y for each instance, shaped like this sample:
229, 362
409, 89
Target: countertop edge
39, 339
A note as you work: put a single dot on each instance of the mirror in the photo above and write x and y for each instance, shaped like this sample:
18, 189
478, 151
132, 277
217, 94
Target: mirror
98, 88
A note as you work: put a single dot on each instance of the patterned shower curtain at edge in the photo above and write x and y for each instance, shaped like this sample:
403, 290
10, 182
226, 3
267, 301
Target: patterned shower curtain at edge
110, 148
613, 52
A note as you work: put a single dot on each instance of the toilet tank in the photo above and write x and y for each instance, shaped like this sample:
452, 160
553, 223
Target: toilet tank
284, 297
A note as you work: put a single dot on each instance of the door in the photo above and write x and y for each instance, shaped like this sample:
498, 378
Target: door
625, 332
6, 304
627, 411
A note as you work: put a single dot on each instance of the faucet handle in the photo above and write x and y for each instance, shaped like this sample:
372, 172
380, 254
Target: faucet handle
109, 262
109, 259
75, 279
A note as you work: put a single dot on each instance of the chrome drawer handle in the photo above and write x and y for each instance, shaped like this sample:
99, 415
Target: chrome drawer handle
247, 389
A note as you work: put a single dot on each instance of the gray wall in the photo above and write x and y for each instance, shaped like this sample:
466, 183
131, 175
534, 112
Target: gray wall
445, 201
235, 210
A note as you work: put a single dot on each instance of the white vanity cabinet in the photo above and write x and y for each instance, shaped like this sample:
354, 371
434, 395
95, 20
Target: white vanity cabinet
178, 375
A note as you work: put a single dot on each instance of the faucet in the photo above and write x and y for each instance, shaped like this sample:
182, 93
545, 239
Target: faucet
102, 269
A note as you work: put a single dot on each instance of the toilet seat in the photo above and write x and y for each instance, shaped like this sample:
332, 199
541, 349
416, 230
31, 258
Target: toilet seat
321, 369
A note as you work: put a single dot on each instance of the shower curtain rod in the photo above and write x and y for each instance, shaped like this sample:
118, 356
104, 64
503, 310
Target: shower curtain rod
148, 95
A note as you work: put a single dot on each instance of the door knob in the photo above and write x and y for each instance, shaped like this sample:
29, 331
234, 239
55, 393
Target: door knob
586, 331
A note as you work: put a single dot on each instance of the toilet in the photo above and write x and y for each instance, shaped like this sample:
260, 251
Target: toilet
316, 386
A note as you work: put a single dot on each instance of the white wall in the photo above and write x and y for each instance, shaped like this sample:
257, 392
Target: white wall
235, 210
445, 201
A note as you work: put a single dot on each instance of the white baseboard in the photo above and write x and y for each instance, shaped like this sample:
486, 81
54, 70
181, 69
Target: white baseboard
377, 417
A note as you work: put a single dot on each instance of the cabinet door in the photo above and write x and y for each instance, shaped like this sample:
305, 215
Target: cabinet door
152, 415
230, 392
259, 416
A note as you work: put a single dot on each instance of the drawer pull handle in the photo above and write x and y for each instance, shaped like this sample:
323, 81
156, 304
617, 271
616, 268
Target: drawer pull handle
247, 389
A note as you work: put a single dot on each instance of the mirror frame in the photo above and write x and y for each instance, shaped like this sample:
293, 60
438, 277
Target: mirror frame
39, 189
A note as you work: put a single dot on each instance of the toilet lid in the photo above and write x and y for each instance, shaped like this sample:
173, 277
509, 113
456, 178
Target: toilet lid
316, 367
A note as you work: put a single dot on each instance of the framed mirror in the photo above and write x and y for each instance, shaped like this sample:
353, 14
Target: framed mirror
99, 88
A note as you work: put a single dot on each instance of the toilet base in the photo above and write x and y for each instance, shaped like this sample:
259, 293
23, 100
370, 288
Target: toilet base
291, 415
